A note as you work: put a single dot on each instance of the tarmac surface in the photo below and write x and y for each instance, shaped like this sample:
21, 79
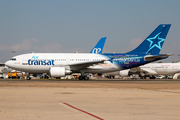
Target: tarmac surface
89, 100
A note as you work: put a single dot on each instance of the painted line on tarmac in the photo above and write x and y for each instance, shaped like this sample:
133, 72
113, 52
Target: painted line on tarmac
68, 107
75, 108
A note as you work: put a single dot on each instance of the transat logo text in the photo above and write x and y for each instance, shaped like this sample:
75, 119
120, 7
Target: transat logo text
40, 62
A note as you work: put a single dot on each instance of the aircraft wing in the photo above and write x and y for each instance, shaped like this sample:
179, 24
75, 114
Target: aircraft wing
146, 71
82, 65
151, 58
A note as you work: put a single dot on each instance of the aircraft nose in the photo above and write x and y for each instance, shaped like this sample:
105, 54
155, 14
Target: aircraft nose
7, 63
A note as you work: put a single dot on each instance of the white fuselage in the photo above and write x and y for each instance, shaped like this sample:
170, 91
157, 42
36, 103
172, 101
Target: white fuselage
41, 62
162, 68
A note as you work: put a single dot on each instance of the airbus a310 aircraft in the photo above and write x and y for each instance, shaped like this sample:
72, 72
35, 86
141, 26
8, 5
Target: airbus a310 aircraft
61, 64
97, 49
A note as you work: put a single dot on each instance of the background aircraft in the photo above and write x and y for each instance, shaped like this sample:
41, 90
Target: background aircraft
99, 46
152, 69
61, 64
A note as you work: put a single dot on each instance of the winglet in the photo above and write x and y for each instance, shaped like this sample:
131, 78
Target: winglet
99, 46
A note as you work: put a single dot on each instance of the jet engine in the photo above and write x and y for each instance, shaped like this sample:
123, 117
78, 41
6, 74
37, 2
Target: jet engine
59, 71
124, 73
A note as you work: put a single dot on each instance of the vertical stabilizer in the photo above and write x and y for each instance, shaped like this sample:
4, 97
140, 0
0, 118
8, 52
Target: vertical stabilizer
154, 42
99, 46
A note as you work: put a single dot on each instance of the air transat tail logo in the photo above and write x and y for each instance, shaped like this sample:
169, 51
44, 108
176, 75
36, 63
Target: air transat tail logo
96, 50
155, 42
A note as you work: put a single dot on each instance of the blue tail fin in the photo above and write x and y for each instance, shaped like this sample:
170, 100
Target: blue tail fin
99, 46
154, 42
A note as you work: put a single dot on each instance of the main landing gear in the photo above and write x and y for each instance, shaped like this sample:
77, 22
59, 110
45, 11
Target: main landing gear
83, 78
28, 78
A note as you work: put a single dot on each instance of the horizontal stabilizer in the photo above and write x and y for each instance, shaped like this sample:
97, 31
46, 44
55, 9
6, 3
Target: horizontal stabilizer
152, 57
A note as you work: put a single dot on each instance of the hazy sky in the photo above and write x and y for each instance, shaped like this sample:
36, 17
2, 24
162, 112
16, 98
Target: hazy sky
76, 25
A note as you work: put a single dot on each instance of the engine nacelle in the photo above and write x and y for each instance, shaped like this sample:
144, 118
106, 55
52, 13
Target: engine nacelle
124, 73
58, 71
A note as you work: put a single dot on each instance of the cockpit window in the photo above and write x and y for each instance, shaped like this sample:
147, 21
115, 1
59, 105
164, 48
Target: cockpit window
13, 59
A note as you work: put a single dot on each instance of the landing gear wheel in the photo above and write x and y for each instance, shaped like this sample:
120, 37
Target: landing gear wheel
152, 77
80, 77
83, 78
46, 77
28, 78
86, 78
